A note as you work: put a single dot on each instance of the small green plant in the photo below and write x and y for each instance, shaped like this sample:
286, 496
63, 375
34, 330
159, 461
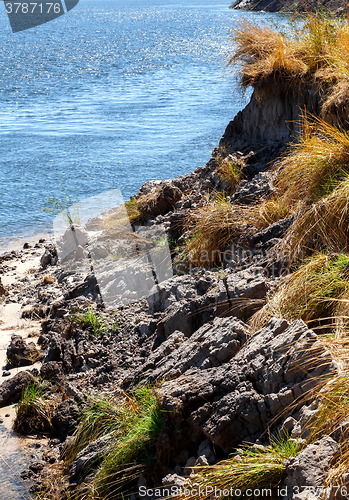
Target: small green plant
67, 205
250, 468
34, 410
90, 320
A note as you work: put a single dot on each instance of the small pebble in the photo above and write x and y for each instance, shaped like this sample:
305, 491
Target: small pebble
6, 373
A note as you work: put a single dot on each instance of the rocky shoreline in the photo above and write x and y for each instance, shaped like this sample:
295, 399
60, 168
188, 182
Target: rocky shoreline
187, 353
289, 6
220, 383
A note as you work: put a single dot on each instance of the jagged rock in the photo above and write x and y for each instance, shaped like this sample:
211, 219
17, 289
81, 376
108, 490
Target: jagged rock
175, 480
87, 459
206, 451
65, 417
211, 345
54, 352
258, 188
179, 288
50, 256
51, 369
241, 294
275, 231
19, 353
310, 467
186, 316
229, 403
307, 417
11, 390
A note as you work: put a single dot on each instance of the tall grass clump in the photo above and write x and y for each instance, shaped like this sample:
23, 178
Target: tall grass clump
230, 171
315, 165
313, 182
252, 468
314, 293
129, 427
34, 410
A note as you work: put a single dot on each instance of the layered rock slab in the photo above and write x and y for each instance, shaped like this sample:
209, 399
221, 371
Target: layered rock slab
237, 400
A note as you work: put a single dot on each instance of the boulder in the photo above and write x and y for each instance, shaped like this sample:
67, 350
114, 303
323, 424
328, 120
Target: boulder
237, 400
21, 353
310, 467
11, 390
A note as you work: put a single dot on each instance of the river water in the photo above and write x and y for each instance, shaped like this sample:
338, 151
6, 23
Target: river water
112, 94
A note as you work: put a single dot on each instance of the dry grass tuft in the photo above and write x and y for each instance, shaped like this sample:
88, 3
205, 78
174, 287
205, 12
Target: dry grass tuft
261, 52
313, 167
314, 51
211, 227
313, 293
230, 171
323, 226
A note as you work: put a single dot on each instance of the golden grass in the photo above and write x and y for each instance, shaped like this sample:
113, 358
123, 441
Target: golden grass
230, 171
313, 167
313, 293
323, 226
315, 51
261, 52
213, 226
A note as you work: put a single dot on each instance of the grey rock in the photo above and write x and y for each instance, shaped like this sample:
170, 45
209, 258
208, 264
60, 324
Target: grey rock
51, 369
89, 458
175, 480
11, 390
211, 345
241, 294
187, 470
310, 467
247, 192
228, 403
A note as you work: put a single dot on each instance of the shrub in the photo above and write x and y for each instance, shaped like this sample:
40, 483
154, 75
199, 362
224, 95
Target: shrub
90, 320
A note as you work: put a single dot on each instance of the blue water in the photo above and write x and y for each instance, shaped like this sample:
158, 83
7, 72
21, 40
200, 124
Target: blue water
110, 95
